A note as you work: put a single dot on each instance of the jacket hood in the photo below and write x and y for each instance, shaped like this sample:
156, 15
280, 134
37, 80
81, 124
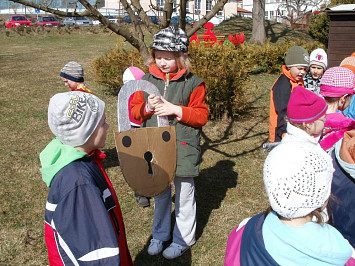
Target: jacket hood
293, 81
297, 134
55, 156
310, 244
347, 167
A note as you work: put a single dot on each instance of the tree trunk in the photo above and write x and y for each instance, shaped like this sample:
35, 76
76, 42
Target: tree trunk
258, 33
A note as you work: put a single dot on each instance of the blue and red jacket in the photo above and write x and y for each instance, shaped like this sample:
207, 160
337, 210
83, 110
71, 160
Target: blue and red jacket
83, 219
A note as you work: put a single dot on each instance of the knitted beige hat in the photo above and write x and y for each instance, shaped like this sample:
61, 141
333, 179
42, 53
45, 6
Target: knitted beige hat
297, 178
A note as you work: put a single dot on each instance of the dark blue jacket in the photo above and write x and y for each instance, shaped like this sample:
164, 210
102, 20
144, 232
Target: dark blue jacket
343, 206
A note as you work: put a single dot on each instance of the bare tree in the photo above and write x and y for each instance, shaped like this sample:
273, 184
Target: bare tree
295, 9
134, 35
258, 34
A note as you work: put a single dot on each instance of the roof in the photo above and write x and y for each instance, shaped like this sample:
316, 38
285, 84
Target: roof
241, 10
349, 7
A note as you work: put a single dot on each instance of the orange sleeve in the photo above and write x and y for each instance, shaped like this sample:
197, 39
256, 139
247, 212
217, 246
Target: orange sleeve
138, 107
195, 114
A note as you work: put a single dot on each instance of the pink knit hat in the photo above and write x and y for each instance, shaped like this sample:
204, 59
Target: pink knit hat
132, 73
336, 82
305, 106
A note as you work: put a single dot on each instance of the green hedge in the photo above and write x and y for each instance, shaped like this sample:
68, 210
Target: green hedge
224, 69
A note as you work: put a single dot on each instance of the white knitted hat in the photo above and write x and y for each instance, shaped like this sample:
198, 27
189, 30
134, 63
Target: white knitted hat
73, 116
319, 57
297, 178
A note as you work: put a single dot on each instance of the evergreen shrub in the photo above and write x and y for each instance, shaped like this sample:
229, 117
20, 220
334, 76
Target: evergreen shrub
269, 58
319, 27
225, 71
108, 69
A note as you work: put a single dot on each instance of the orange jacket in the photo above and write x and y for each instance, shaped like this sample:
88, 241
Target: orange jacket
279, 96
195, 114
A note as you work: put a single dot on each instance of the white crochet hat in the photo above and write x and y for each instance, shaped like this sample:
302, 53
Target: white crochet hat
319, 57
73, 116
297, 178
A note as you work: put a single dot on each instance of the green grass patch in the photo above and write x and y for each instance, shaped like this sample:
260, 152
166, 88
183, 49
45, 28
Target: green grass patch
229, 189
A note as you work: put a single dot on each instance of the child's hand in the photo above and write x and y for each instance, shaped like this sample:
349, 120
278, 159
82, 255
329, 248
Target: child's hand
153, 100
167, 108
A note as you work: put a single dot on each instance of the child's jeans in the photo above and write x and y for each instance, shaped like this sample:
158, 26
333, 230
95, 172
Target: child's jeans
185, 213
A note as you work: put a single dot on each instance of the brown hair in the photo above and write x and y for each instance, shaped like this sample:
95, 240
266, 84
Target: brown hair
182, 60
298, 125
315, 213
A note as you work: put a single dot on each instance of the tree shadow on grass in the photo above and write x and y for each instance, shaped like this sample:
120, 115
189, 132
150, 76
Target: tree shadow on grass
250, 132
211, 188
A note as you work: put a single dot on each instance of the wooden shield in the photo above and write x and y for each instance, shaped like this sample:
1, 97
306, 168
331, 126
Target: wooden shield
147, 155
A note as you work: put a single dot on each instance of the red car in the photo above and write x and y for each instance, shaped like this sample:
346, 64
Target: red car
47, 21
17, 21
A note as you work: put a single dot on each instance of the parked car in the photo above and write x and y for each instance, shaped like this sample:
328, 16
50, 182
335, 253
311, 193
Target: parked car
216, 20
110, 18
176, 20
47, 21
17, 21
127, 19
154, 19
77, 21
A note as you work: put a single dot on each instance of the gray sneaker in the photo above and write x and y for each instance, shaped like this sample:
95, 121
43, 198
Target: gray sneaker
174, 251
142, 201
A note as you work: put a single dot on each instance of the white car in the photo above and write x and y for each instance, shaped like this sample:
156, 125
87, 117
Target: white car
110, 18
77, 21
216, 20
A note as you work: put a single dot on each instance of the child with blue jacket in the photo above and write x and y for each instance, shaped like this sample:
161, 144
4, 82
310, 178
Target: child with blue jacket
297, 178
83, 219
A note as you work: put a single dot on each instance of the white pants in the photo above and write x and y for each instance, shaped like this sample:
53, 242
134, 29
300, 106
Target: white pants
185, 213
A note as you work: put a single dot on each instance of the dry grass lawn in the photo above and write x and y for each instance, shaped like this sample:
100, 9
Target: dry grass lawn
229, 188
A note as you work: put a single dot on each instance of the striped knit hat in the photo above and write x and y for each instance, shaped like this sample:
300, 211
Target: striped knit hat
73, 71
171, 39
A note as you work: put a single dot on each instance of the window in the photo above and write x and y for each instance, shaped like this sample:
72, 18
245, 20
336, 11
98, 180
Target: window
187, 7
208, 5
160, 4
271, 14
266, 13
197, 6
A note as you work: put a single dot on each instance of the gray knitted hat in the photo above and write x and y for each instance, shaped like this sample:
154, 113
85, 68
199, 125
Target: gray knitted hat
297, 56
73, 116
73, 71
171, 39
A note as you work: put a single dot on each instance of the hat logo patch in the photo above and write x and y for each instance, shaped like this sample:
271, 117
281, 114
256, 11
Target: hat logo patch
93, 104
319, 57
76, 108
306, 57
